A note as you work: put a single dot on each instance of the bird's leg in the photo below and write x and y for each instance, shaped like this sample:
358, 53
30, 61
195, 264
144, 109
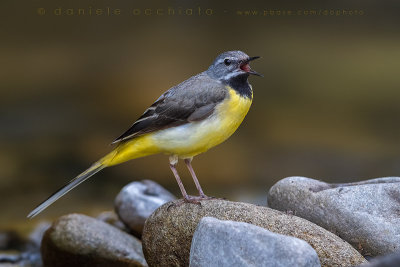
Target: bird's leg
188, 162
173, 160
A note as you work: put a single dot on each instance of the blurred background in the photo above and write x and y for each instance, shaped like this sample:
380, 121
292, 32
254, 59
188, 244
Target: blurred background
72, 80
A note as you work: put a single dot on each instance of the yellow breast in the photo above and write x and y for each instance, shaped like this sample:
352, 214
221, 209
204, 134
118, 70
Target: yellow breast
197, 137
187, 140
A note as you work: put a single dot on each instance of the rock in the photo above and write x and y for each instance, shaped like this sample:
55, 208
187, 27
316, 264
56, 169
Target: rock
391, 260
10, 258
111, 218
138, 200
79, 240
36, 236
31, 254
365, 214
18, 251
227, 243
11, 240
168, 232
21, 259
31, 259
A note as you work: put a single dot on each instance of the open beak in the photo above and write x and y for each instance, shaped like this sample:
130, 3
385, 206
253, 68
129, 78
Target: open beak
245, 66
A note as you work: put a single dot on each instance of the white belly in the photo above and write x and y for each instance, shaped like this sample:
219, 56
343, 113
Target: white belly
194, 138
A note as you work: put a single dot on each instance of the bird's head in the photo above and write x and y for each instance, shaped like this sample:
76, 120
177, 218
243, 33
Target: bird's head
231, 64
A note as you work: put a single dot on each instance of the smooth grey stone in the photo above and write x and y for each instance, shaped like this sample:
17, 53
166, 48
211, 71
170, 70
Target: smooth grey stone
366, 214
391, 260
10, 257
16, 251
29, 258
218, 243
112, 218
36, 236
168, 232
138, 200
79, 240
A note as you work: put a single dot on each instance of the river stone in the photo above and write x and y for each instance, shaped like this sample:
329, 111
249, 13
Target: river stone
391, 260
112, 218
366, 214
11, 240
137, 201
168, 232
36, 236
79, 240
219, 243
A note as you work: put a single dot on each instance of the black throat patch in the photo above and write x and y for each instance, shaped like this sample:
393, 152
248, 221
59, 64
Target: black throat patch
241, 85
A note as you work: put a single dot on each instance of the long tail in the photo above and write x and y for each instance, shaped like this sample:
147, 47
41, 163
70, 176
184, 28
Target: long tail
139, 147
96, 167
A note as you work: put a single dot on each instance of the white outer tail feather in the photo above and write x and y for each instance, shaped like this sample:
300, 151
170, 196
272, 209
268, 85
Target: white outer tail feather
95, 168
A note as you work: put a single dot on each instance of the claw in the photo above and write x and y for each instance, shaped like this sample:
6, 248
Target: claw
190, 199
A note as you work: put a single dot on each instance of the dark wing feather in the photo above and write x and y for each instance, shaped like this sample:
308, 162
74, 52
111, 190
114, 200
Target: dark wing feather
193, 100
202, 112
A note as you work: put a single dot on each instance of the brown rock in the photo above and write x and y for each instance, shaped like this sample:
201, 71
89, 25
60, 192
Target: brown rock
169, 230
79, 240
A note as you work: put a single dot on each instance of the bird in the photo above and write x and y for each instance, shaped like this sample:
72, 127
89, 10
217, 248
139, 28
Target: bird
185, 121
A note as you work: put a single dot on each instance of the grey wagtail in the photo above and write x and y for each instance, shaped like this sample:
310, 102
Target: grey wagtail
186, 120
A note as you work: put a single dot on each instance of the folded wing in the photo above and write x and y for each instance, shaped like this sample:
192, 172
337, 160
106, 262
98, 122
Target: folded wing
193, 100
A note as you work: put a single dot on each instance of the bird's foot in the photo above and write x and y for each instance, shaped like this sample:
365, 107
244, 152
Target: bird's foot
190, 199
196, 199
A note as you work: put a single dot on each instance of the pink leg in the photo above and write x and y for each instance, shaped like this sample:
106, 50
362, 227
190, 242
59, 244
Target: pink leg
189, 166
172, 164
173, 160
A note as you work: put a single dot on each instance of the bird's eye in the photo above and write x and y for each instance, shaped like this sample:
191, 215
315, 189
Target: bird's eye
227, 62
